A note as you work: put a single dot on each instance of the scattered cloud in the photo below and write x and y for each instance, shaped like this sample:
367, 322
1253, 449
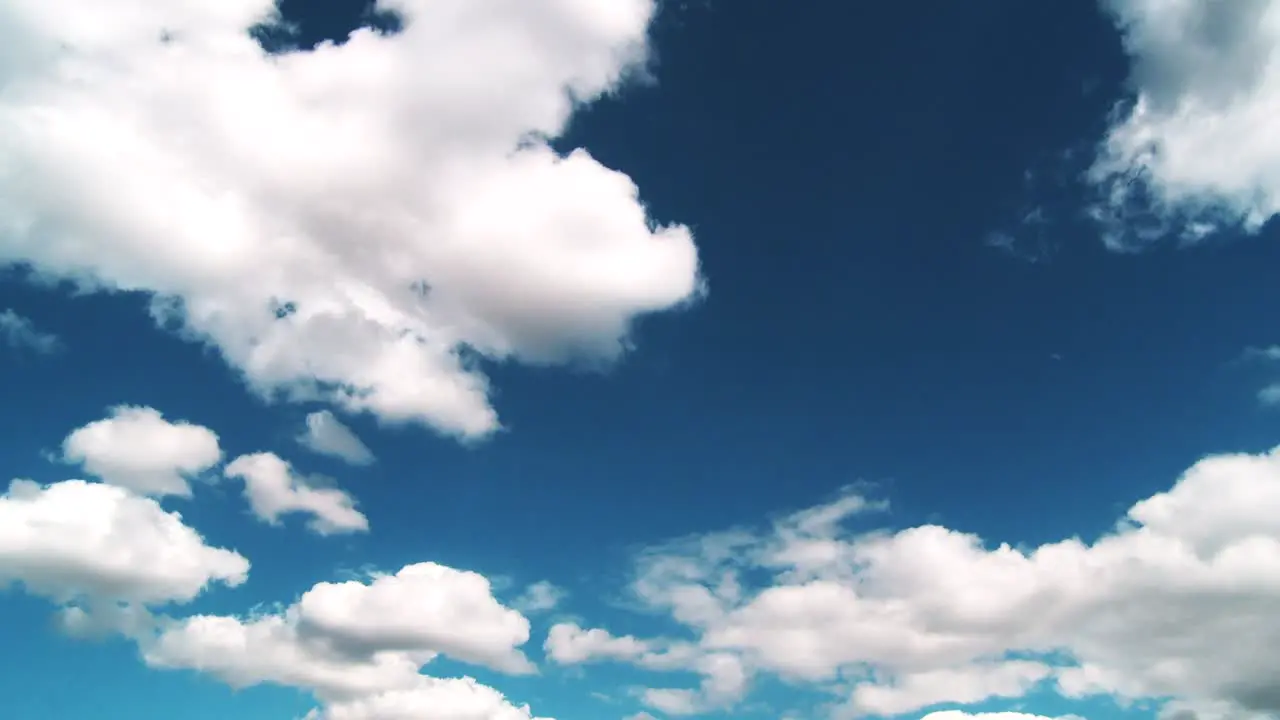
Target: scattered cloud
273, 489
325, 434
539, 597
1193, 153
21, 333
137, 448
359, 646
437, 228
1173, 604
99, 545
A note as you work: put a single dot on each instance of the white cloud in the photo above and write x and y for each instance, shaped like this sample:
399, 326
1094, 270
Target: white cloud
274, 489
962, 715
569, 644
539, 598
350, 224
1196, 152
429, 699
85, 542
19, 332
1176, 603
138, 449
359, 646
327, 435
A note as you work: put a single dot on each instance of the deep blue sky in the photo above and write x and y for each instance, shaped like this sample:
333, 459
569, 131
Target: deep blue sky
842, 166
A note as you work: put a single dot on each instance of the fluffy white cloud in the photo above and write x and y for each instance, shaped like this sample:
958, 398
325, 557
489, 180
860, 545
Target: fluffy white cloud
1196, 151
85, 542
138, 449
1176, 603
569, 644
354, 223
359, 646
429, 699
274, 489
19, 332
326, 435
962, 715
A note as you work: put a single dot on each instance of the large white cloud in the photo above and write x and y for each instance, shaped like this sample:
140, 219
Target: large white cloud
348, 223
138, 449
86, 542
359, 646
273, 489
1176, 603
1196, 152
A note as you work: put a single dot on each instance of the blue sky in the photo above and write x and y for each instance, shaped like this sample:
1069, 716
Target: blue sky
599, 359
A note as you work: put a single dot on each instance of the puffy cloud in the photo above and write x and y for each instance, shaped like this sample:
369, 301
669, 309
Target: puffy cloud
86, 542
962, 715
429, 699
356, 223
569, 644
1195, 151
355, 638
1173, 604
138, 449
19, 332
327, 435
359, 646
274, 489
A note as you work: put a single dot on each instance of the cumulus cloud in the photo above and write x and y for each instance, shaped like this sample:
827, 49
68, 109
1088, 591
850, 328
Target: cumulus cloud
273, 489
138, 449
1175, 604
325, 434
74, 542
21, 333
1195, 152
359, 646
355, 224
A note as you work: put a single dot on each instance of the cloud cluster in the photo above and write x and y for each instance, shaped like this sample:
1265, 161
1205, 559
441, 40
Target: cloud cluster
1177, 602
114, 560
355, 224
1195, 152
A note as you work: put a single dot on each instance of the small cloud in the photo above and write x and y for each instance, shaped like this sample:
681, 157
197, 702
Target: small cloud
325, 434
1263, 353
1270, 395
539, 597
20, 333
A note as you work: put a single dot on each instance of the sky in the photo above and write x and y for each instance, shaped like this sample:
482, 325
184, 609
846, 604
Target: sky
639, 360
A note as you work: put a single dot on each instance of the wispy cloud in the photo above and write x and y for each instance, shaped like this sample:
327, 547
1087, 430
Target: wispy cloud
19, 332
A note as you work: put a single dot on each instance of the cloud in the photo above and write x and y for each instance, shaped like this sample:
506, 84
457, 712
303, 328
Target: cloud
1175, 604
325, 434
138, 449
569, 644
1270, 395
1194, 153
274, 489
539, 597
19, 332
429, 699
357, 224
75, 542
359, 646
